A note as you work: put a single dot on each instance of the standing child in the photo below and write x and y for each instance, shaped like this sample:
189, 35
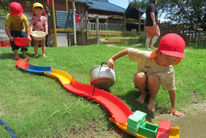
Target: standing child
39, 23
16, 21
155, 69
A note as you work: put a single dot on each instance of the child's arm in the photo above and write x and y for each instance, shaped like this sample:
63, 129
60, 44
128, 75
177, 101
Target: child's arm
46, 28
7, 29
28, 31
173, 110
116, 56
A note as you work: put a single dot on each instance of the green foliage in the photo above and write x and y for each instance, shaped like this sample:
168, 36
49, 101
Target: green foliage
4, 7
135, 8
185, 11
139, 4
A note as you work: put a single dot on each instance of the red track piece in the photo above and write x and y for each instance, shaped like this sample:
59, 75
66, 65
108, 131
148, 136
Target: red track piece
118, 110
80, 89
22, 64
164, 129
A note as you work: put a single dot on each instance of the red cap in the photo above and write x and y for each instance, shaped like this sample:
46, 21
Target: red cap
171, 45
16, 9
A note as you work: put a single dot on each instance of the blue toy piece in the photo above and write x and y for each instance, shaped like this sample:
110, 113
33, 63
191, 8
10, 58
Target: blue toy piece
8, 129
38, 69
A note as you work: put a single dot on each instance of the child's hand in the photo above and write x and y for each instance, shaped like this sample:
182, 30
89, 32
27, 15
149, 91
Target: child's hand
46, 32
110, 63
11, 38
173, 111
29, 37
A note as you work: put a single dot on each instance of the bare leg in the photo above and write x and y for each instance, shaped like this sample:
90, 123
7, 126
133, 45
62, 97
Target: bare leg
16, 55
153, 86
43, 48
154, 39
24, 53
140, 83
147, 42
36, 48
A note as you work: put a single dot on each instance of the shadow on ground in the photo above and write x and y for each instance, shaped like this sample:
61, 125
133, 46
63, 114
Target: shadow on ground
130, 98
11, 55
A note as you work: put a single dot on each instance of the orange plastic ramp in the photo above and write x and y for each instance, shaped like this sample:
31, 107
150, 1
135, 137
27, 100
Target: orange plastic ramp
118, 110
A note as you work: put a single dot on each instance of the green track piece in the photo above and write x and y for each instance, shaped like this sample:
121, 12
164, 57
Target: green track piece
148, 130
135, 121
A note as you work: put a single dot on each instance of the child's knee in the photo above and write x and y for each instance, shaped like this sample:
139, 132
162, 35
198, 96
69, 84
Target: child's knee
140, 78
153, 80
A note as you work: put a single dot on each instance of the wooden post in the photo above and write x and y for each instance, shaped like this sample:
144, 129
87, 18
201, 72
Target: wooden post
67, 9
139, 25
74, 22
54, 24
67, 5
87, 25
125, 23
97, 29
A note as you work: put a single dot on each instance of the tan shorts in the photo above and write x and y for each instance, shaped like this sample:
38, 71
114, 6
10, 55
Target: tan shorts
152, 31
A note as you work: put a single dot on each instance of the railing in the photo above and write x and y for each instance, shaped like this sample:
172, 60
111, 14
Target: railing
192, 37
106, 26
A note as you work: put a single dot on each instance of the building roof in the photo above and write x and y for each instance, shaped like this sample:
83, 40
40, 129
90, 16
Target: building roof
103, 5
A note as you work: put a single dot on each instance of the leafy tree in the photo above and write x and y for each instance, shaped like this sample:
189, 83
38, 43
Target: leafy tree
135, 7
192, 12
4, 6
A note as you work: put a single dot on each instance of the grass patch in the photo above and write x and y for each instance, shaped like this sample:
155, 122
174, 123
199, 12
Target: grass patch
37, 106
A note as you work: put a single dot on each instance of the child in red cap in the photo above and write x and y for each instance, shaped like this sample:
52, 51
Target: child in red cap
14, 26
155, 69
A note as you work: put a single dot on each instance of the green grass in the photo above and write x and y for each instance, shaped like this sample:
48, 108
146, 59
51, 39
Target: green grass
37, 106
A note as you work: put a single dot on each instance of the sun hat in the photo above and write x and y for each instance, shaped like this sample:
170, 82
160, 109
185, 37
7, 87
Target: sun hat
15, 9
171, 45
37, 4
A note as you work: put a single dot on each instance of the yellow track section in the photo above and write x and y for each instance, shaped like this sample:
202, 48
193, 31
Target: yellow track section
62, 76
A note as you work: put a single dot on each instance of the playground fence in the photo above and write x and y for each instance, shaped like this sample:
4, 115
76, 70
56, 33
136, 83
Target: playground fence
191, 37
106, 26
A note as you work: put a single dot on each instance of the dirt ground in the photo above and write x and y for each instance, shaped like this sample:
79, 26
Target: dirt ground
193, 125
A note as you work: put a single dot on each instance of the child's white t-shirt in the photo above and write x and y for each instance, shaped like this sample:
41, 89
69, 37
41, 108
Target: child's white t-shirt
149, 66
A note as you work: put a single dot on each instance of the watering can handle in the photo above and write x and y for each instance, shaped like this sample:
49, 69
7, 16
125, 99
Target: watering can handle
103, 63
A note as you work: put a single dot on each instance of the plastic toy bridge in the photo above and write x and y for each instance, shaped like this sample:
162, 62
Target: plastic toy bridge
131, 122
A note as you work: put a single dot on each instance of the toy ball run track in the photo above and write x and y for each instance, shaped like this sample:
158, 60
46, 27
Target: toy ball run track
131, 122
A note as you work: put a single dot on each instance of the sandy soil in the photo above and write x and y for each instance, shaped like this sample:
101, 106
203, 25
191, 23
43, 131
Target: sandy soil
193, 125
